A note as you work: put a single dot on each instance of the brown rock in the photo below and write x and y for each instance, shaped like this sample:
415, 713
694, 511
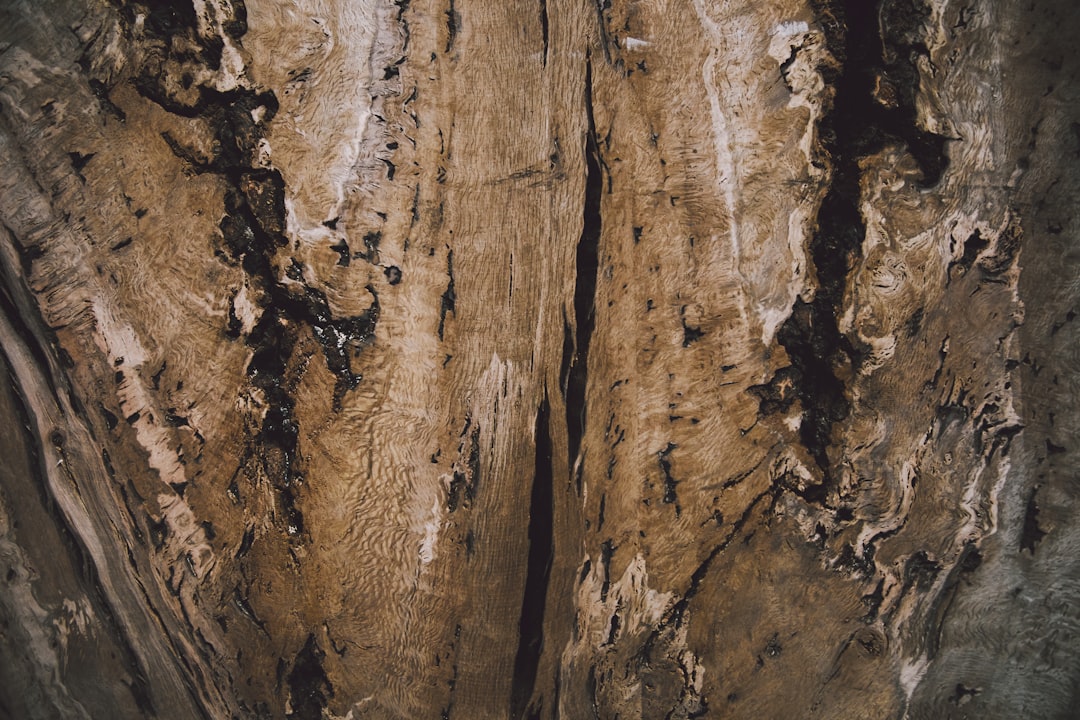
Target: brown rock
578, 360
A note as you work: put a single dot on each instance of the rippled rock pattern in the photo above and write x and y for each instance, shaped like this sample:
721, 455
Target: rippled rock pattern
539, 359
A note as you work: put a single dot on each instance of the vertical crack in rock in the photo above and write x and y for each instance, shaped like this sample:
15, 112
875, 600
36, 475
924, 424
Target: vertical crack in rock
453, 23
877, 45
607, 550
544, 28
449, 298
466, 477
309, 687
567, 353
588, 263
664, 458
602, 8
253, 230
541, 553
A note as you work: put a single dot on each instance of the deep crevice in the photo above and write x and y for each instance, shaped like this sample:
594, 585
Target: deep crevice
602, 8
567, 353
252, 230
541, 553
874, 107
453, 23
664, 458
544, 28
448, 301
973, 246
309, 687
607, 550
588, 263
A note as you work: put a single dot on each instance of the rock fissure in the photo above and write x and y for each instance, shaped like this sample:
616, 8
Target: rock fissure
877, 47
544, 28
587, 266
538, 573
309, 687
202, 236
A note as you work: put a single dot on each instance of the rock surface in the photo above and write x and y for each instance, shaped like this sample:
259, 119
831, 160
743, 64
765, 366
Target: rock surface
447, 358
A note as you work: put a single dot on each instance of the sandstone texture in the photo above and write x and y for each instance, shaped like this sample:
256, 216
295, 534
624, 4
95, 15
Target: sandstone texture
539, 359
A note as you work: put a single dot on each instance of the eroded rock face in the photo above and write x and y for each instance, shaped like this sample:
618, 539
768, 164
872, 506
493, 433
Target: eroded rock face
627, 359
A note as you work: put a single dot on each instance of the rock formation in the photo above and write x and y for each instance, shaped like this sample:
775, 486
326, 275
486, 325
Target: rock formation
556, 359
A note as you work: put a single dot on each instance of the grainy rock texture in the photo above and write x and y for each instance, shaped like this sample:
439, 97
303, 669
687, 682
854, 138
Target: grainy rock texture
546, 359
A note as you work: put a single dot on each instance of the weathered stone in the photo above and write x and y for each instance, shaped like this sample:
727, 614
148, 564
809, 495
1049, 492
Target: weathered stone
566, 359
